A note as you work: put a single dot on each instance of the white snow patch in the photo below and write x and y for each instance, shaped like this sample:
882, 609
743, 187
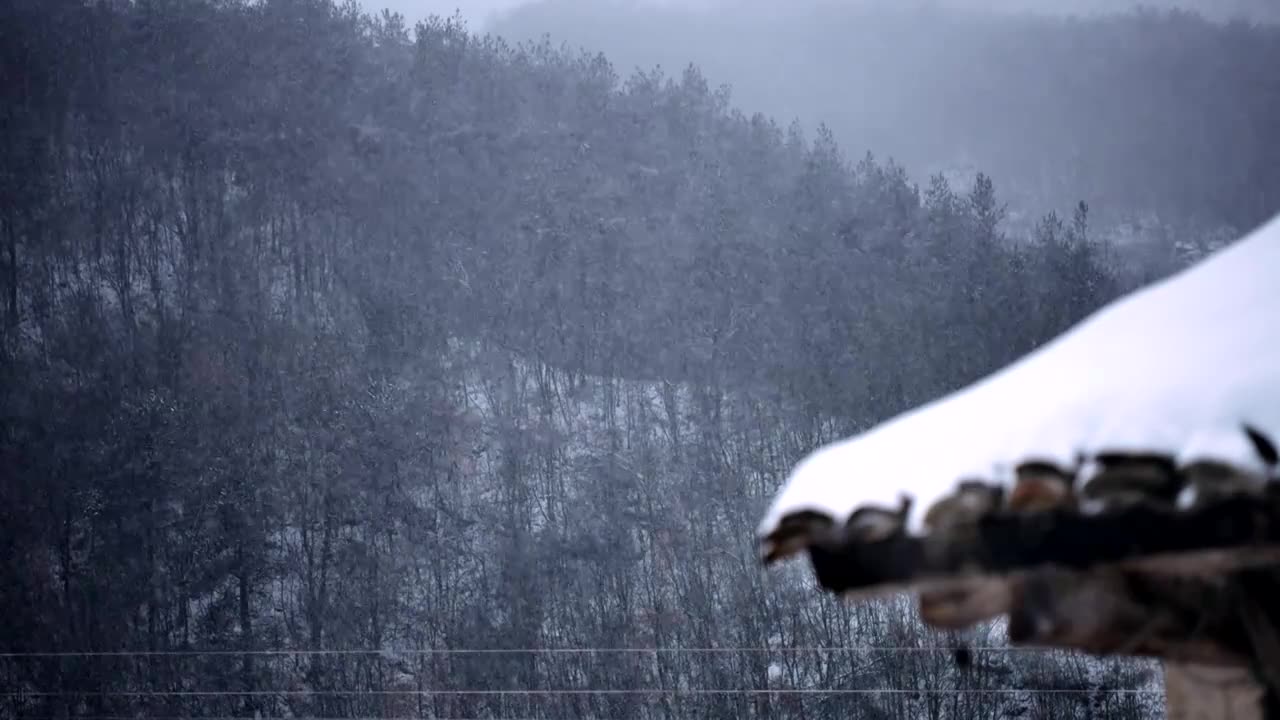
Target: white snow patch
1223, 444
1166, 369
1187, 497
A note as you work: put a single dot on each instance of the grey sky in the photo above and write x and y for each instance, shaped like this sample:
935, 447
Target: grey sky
475, 12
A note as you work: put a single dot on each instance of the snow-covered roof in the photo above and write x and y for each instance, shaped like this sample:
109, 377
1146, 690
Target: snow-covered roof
1177, 369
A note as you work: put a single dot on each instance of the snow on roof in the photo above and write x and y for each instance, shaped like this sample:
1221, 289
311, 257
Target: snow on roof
1175, 369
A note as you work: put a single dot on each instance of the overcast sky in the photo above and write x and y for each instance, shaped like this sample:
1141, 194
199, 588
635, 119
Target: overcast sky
475, 12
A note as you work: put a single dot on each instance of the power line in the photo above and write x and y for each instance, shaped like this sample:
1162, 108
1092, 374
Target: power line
503, 651
569, 691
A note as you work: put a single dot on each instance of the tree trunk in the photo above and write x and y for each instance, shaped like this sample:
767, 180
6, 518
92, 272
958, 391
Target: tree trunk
11, 250
246, 632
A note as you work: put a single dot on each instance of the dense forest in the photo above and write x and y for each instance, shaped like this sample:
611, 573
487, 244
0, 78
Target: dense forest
1166, 123
353, 370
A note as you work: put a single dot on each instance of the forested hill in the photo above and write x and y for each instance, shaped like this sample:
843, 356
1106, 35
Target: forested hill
1140, 113
289, 161
318, 336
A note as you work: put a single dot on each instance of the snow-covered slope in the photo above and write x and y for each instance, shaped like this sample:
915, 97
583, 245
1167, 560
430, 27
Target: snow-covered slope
1177, 369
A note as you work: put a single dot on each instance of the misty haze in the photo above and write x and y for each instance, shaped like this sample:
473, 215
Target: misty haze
418, 365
